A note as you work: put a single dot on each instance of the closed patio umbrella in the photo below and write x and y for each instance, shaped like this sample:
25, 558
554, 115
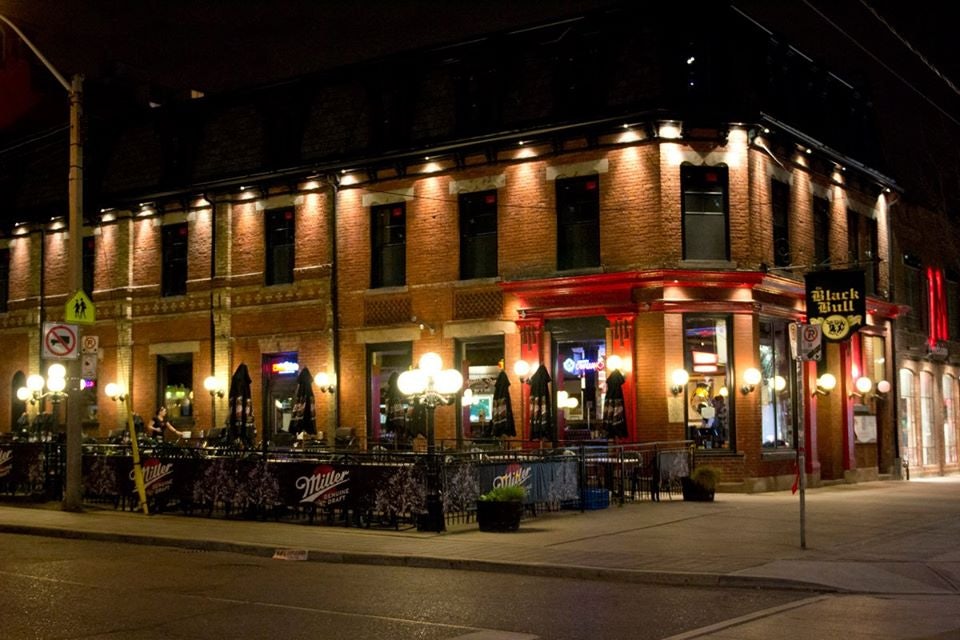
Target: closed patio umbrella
503, 424
396, 422
303, 418
541, 406
614, 420
241, 406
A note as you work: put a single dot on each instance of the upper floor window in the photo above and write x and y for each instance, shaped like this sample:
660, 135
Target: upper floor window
780, 205
388, 245
953, 306
862, 248
4, 279
914, 292
478, 235
89, 264
704, 213
821, 231
279, 235
578, 222
173, 275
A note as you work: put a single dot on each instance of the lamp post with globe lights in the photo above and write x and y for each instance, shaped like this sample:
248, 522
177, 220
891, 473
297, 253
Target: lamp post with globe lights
55, 384
431, 385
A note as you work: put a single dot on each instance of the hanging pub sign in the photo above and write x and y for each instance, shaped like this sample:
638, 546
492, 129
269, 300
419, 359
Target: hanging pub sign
837, 301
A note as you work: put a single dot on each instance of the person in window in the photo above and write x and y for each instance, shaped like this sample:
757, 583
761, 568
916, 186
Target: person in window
160, 425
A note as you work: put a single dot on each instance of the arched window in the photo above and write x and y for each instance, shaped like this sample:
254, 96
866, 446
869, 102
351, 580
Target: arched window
908, 418
926, 418
950, 399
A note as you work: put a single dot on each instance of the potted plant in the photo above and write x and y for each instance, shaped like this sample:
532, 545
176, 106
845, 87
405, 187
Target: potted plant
701, 484
500, 508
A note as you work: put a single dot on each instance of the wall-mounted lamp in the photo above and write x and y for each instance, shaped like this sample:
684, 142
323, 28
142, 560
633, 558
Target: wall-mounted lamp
213, 386
825, 384
751, 378
326, 382
566, 401
863, 387
524, 370
614, 363
679, 379
883, 388
116, 392
423, 326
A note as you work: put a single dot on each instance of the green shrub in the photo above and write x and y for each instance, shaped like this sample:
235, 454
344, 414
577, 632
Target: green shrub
508, 493
706, 476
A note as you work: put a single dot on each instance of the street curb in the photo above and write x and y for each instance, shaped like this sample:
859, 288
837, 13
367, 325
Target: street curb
577, 572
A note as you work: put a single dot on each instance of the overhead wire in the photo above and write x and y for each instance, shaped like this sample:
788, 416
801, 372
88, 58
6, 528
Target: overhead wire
883, 64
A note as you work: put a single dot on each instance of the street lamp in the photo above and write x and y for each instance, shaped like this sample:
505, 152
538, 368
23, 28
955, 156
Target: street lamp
74, 88
431, 385
54, 383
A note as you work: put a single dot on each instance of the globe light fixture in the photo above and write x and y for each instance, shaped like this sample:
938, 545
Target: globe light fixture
751, 378
679, 378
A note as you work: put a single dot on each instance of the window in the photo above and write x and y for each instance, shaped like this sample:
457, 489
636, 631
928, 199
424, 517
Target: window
4, 279
388, 245
926, 418
780, 204
914, 293
707, 359
908, 418
578, 222
89, 264
862, 248
949, 384
776, 386
279, 235
481, 358
821, 231
173, 276
175, 382
953, 307
704, 213
478, 235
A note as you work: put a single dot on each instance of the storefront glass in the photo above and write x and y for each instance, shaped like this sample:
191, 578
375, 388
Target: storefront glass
908, 418
707, 356
481, 357
580, 373
776, 385
950, 419
926, 418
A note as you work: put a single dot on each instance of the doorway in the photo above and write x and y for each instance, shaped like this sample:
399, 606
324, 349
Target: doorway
279, 375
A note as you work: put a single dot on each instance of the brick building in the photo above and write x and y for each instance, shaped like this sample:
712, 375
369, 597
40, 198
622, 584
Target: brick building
537, 196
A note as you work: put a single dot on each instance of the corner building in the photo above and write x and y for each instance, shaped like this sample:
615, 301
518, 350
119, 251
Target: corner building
610, 192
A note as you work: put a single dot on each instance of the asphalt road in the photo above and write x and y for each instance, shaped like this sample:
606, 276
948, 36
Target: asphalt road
60, 588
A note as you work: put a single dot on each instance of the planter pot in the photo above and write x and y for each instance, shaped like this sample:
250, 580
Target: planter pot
499, 516
695, 492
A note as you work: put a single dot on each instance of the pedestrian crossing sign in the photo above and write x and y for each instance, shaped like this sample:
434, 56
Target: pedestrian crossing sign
80, 310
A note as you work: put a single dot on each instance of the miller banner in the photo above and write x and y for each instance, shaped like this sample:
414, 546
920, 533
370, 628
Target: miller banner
837, 301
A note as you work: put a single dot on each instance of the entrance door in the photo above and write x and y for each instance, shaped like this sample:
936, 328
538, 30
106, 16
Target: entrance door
279, 375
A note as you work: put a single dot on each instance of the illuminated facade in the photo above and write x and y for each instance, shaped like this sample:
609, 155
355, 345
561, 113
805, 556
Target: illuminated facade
533, 216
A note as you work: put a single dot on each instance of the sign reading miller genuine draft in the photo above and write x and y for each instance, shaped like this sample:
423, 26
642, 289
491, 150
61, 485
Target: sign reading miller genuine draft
837, 301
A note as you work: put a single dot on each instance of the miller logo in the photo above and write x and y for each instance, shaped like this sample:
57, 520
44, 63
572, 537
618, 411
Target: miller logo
325, 486
516, 475
157, 477
6, 462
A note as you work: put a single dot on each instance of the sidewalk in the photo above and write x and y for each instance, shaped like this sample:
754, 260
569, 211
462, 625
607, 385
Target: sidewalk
879, 537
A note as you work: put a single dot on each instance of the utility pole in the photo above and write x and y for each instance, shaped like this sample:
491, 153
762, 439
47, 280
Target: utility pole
74, 89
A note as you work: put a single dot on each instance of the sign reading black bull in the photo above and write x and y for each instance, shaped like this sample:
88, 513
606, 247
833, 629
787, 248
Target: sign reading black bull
837, 301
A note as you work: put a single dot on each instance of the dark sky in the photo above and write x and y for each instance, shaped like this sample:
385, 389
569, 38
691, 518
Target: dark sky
213, 45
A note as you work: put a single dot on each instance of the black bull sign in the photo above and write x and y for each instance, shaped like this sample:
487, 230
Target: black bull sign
837, 301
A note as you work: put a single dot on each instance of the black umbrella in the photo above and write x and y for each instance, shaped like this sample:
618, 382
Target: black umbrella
396, 422
503, 424
541, 407
304, 417
241, 405
614, 420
